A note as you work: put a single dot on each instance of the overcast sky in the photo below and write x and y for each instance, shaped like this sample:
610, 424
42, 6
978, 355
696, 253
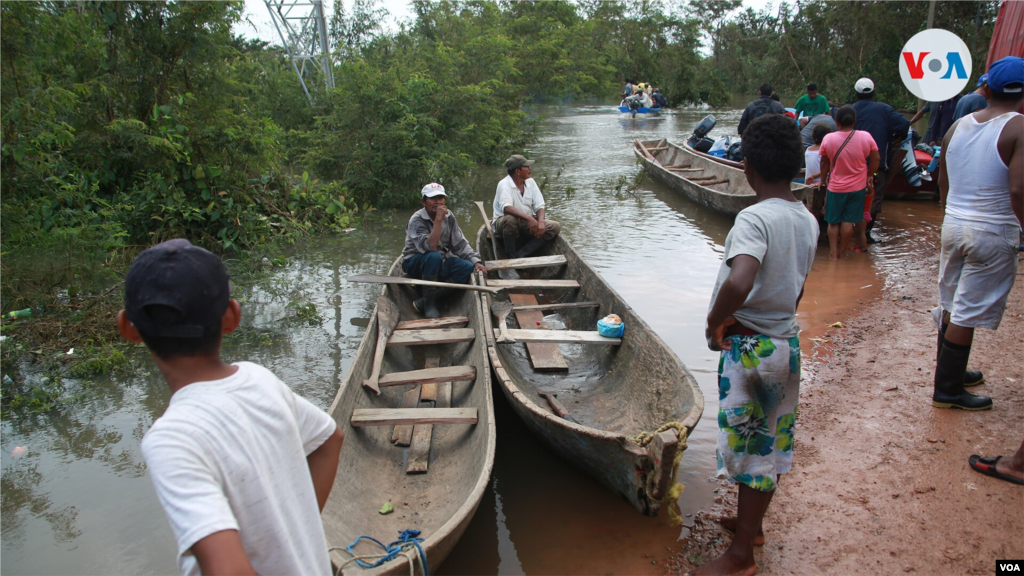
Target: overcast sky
257, 24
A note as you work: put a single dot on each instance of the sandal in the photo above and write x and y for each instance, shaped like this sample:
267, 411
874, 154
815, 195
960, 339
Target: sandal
987, 466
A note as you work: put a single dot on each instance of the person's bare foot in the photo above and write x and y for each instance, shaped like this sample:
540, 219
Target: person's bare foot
729, 523
726, 565
1005, 466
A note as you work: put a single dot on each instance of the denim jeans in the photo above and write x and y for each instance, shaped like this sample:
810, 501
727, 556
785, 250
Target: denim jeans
434, 266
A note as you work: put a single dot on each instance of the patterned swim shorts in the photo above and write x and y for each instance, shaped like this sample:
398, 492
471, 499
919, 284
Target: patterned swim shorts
758, 388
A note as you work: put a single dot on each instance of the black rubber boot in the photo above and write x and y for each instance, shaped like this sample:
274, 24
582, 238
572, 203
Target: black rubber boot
971, 377
430, 302
510, 247
949, 380
530, 247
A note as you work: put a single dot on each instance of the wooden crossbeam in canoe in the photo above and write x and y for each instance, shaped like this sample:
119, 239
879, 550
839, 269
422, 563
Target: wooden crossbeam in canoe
562, 306
405, 416
561, 336
686, 169
432, 336
533, 284
430, 375
423, 323
523, 263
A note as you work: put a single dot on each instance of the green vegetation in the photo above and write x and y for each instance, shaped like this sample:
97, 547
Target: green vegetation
126, 123
834, 43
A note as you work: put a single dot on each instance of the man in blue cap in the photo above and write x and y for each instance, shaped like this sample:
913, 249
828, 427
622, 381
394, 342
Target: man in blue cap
972, 102
981, 185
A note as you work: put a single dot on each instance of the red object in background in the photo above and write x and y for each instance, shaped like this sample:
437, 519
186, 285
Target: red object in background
1008, 35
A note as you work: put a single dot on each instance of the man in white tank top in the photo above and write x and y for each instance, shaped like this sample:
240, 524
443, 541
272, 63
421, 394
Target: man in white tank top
981, 185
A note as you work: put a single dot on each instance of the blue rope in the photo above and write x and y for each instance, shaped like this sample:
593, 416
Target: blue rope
392, 550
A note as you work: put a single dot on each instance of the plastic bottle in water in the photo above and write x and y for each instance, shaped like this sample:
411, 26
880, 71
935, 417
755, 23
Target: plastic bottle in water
552, 322
18, 313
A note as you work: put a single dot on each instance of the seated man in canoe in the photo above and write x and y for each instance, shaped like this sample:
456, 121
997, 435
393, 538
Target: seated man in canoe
436, 249
519, 211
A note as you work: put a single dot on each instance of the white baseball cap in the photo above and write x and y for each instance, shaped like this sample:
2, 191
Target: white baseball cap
864, 86
433, 189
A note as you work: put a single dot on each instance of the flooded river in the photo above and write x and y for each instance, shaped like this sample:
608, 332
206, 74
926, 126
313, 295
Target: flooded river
80, 501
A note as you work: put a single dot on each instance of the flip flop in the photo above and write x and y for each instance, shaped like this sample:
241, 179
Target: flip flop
987, 466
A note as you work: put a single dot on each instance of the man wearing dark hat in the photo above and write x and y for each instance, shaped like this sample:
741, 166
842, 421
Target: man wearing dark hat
519, 211
436, 249
241, 464
972, 102
981, 185
885, 125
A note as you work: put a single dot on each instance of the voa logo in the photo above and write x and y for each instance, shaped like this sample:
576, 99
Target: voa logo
935, 65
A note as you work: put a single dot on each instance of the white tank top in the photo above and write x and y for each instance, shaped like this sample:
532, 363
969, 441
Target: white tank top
979, 181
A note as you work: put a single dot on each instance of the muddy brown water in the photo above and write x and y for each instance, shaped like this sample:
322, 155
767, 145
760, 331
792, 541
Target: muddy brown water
80, 501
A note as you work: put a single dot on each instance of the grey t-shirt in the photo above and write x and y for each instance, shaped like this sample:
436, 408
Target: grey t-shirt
782, 236
807, 132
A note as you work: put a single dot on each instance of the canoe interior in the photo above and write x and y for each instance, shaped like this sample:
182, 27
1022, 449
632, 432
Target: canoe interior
616, 390
720, 168
371, 470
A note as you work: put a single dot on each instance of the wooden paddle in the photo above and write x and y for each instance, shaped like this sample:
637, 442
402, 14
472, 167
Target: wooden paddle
503, 274
378, 279
501, 311
557, 406
387, 319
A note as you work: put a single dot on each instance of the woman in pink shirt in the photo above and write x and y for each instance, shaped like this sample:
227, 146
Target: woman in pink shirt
849, 159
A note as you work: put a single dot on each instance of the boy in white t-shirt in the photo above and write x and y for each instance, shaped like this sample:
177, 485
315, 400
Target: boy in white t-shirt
241, 464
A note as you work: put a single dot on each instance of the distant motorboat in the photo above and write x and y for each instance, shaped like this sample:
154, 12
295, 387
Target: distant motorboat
640, 113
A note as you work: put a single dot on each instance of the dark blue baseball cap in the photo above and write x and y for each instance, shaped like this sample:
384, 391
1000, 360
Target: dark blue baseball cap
982, 79
1007, 75
185, 278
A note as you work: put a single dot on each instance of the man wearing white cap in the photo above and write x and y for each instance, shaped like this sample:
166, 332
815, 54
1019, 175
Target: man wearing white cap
436, 249
885, 125
519, 210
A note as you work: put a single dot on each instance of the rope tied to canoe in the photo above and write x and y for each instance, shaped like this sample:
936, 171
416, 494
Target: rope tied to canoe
408, 546
671, 497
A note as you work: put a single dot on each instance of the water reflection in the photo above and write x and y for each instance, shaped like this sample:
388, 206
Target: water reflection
80, 502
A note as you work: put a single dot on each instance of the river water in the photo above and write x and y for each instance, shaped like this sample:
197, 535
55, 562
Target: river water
80, 501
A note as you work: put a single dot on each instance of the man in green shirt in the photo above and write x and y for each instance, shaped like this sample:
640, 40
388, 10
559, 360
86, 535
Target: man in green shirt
812, 103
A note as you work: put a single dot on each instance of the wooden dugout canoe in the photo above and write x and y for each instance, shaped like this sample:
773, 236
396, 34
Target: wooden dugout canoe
724, 187
614, 393
372, 471
897, 188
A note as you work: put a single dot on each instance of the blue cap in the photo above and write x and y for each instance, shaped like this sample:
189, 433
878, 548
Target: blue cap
1006, 72
983, 79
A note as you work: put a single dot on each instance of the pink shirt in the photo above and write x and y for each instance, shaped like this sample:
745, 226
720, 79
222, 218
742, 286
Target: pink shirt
850, 173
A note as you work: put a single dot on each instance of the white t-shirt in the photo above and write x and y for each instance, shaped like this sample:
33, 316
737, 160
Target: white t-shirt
508, 194
812, 165
231, 454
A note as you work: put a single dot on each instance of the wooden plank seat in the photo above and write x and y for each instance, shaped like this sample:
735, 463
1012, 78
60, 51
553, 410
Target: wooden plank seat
406, 416
560, 336
425, 323
532, 284
430, 376
522, 263
431, 336
561, 306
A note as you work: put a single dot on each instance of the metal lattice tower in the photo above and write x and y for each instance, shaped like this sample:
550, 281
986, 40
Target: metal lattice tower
303, 31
